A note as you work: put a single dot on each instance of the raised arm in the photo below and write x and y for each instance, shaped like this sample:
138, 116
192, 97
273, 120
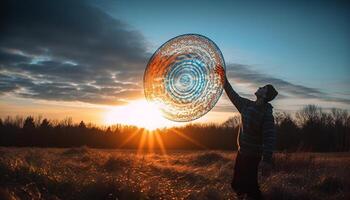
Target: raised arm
237, 100
269, 135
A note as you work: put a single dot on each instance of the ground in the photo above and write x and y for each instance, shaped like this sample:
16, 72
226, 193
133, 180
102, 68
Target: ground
84, 173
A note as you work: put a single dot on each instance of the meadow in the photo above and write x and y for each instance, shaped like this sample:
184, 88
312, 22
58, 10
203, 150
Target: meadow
87, 173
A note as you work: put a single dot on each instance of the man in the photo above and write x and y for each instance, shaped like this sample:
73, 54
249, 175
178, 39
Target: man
256, 139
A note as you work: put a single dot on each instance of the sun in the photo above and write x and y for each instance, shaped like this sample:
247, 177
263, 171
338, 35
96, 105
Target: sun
140, 113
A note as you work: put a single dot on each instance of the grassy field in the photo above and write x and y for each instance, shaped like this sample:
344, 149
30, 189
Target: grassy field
83, 173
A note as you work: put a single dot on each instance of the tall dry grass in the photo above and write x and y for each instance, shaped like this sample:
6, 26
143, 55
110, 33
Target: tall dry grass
84, 173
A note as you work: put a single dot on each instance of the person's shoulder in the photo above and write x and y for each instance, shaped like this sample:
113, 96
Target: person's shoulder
248, 101
245, 103
269, 106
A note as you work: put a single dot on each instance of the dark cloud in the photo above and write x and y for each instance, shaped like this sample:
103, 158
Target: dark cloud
7, 84
32, 88
68, 50
69, 30
244, 74
72, 51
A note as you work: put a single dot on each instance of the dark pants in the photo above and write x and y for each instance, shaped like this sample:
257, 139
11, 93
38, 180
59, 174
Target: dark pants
245, 177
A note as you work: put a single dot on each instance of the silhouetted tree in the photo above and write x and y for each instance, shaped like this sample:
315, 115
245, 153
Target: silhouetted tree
288, 133
109, 131
29, 123
45, 124
312, 129
82, 125
232, 121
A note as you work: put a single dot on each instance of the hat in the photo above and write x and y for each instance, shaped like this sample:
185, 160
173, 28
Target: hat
271, 93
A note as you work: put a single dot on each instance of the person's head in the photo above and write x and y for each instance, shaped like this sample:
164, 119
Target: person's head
268, 93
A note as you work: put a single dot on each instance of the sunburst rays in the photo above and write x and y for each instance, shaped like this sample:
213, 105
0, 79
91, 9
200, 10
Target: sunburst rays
150, 141
184, 136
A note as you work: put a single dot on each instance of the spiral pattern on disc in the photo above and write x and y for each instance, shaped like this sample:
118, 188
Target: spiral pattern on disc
182, 77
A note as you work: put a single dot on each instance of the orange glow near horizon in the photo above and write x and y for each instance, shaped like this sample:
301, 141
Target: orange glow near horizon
140, 113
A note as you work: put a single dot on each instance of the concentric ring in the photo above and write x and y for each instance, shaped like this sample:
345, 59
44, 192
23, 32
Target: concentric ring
182, 77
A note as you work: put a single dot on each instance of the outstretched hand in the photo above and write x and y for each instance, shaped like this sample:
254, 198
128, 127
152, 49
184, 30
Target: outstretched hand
221, 71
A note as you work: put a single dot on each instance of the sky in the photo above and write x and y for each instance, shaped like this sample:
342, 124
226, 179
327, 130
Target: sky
86, 59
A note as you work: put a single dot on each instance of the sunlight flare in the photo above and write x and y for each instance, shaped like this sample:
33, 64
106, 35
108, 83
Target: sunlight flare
139, 113
140, 148
184, 136
161, 146
129, 138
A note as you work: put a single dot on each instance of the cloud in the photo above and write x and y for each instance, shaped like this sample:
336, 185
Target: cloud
70, 51
244, 74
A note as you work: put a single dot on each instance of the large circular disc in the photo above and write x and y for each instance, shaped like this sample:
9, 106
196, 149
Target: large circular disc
182, 77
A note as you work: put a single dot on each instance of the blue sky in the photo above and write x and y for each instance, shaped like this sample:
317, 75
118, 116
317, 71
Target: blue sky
305, 42
94, 52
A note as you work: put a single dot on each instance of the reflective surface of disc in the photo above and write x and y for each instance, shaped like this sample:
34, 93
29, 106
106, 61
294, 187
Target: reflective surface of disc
182, 77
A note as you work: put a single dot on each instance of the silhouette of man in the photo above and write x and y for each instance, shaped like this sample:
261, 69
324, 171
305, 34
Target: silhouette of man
256, 139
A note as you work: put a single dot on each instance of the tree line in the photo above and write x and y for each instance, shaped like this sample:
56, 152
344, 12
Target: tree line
309, 129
